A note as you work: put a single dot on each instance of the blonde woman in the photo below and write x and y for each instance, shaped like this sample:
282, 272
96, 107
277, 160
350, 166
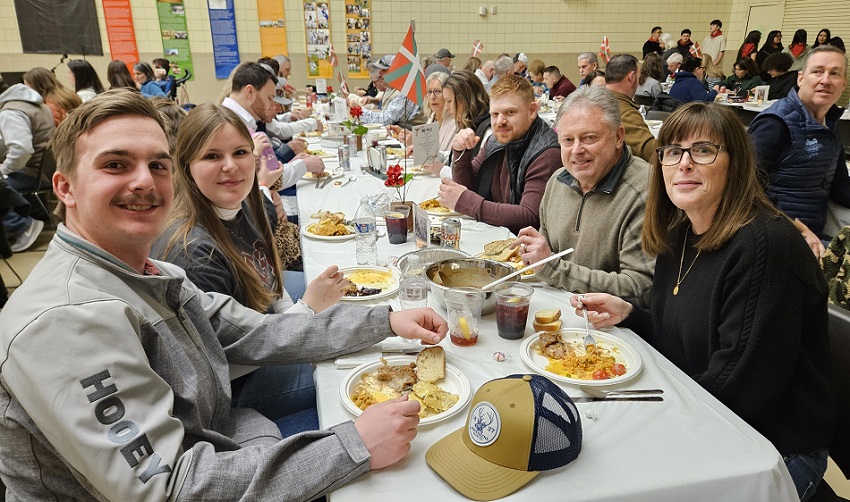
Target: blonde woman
713, 74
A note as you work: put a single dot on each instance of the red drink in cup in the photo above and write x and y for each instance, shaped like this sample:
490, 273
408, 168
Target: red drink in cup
512, 301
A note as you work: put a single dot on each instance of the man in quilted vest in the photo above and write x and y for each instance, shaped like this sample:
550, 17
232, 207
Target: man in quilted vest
26, 126
798, 149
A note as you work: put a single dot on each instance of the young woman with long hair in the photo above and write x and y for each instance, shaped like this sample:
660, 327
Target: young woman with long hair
56, 96
82, 76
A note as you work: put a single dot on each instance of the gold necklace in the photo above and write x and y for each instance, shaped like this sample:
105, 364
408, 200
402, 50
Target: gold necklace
681, 277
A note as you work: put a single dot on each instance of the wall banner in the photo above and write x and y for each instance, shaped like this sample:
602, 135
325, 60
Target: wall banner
175, 36
272, 28
358, 37
120, 31
317, 24
225, 44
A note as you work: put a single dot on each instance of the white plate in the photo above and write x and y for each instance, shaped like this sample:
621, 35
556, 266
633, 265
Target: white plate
331, 238
654, 123
455, 382
623, 353
325, 154
388, 291
440, 213
334, 175
373, 126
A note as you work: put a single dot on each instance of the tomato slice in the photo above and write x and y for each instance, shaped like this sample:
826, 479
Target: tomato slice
618, 369
600, 375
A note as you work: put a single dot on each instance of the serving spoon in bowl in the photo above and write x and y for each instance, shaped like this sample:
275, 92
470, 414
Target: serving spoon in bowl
495, 283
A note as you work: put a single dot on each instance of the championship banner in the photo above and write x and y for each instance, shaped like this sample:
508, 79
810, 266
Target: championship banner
225, 43
120, 32
272, 28
175, 36
358, 37
317, 24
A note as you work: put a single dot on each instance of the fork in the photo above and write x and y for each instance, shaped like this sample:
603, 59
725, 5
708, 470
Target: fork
593, 391
588, 338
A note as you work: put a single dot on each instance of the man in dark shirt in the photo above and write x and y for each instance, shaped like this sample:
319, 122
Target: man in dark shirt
684, 44
559, 85
653, 45
797, 147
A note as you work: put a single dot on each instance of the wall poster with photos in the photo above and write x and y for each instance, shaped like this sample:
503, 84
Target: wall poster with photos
317, 22
358, 37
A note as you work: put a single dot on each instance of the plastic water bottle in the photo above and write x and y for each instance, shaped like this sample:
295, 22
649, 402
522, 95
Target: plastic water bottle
366, 229
413, 289
643, 111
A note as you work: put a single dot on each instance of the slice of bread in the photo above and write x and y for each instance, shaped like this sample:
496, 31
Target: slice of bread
547, 326
500, 250
431, 365
547, 316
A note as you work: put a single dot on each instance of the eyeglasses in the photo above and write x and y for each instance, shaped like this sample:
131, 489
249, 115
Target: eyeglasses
434, 92
700, 153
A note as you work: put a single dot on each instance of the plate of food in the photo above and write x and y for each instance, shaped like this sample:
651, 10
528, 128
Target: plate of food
310, 134
441, 389
369, 283
395, 152
501, 251
330, 227
562, 356
654, 123
324, 154
333, 174
436, 208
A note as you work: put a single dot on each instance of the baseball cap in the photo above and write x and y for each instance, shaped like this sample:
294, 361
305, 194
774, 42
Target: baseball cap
521, 57
443, 53
517, 426
269, 69
384, 63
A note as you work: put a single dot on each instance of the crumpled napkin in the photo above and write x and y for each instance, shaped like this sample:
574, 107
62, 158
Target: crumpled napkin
392, 346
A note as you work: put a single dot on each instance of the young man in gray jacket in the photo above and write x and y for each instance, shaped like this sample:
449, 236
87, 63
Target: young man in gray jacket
595, 204
114, 368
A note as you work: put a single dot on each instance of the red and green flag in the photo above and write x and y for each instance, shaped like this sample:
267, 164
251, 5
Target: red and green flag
406, 74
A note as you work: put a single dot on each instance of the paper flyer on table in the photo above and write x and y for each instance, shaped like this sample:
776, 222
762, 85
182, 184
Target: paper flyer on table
426, 143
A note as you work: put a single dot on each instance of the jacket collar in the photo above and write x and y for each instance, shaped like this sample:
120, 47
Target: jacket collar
607, 184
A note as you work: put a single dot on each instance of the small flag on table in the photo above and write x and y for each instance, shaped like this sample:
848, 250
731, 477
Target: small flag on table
605, 50
343, 85
406, 74
695, 50
334, 59
477, 48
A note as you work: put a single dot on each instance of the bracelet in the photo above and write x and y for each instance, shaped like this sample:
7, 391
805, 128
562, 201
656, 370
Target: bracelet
302, 302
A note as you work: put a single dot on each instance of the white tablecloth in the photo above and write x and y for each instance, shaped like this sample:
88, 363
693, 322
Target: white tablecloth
688, 447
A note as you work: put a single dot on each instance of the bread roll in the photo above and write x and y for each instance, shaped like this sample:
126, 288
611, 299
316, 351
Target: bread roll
431, 365
547, 326
547, 316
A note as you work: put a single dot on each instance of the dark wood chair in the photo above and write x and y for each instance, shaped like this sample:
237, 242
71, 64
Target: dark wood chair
839, 448
44, 191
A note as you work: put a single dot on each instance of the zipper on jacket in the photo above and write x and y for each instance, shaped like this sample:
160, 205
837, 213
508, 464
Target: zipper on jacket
581, 210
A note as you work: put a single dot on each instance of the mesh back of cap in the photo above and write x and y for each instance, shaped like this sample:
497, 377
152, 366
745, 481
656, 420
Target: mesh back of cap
557, 431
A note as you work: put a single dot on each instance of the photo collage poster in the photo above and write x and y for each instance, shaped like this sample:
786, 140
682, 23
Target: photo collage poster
317, 23
272, 28
175, 36
358, 37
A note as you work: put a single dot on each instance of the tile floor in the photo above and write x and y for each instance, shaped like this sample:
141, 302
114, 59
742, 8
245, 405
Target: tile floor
24, 262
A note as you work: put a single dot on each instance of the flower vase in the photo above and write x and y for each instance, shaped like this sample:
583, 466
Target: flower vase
409, 204
359, 142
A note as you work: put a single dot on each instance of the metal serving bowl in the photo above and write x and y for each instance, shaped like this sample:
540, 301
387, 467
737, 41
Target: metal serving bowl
466, 272
428, 256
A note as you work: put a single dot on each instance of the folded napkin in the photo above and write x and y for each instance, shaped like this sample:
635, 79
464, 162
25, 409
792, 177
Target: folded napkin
391, 346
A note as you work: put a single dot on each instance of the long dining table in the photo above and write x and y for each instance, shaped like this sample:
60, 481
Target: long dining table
687, 447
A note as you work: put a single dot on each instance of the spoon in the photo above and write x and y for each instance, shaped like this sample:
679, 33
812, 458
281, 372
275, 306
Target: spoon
527, 268
350, 178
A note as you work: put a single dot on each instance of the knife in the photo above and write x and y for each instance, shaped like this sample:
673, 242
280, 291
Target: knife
328, 180
318, 180
585, 399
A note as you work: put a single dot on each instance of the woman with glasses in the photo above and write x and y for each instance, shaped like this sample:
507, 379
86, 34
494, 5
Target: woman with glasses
738, 299
689, 85
745, 78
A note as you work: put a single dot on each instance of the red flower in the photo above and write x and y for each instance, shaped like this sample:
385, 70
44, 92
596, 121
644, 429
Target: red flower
356, 111
395, 176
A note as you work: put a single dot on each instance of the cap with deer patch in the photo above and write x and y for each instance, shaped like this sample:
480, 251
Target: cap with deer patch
517, 426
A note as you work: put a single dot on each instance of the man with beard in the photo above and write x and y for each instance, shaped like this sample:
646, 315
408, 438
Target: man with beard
504, 183
252, 98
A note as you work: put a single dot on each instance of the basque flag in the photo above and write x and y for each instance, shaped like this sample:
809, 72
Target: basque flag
605, 50
477, 48
406, 74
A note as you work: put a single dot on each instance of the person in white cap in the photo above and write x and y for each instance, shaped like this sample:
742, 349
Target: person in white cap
520, 64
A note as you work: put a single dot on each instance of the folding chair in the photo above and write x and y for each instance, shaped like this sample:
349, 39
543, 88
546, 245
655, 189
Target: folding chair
42, 192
